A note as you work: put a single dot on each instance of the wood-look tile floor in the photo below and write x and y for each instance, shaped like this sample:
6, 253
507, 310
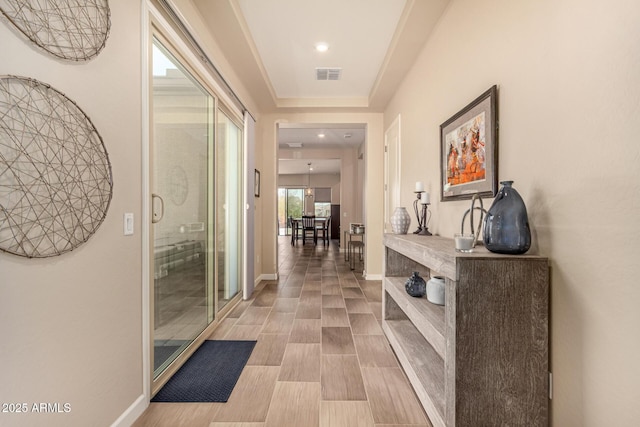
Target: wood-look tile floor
321, 359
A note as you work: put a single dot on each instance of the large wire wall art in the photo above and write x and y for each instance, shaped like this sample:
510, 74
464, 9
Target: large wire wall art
55, 176
74, 30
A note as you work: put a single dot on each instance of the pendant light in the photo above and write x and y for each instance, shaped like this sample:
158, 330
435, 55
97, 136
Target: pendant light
309, 191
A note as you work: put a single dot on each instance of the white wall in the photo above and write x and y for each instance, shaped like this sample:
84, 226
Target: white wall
335, 194
71, 325
569, 88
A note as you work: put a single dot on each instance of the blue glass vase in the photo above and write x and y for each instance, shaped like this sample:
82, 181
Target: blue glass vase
506, 226
415, 285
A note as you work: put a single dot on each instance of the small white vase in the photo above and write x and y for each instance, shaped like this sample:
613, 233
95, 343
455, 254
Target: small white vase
400, 221
435, 290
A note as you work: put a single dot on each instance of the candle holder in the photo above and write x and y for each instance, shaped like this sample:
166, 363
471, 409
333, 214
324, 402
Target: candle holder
416, 202
424, 231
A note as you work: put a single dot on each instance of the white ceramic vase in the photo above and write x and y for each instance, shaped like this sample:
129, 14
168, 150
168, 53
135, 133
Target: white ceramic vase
435, 290
400, 221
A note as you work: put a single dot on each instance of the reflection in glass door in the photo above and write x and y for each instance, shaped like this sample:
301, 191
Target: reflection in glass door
181, 161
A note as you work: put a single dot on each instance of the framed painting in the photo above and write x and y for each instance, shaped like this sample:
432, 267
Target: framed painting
469, 150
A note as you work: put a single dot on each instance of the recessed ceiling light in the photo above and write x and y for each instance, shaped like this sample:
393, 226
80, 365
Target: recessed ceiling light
321, 135
322, 47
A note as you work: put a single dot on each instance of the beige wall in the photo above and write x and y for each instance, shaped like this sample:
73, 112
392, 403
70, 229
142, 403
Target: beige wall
71, 325
568, 73
335, 194
371, 199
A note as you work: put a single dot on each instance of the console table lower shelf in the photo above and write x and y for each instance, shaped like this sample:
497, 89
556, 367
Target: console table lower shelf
423, 366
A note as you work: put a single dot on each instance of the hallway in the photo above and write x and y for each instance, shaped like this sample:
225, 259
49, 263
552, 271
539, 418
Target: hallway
321, 358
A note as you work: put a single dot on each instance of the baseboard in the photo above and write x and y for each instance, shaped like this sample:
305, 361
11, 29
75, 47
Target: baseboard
132, 413
267, 277
372, 276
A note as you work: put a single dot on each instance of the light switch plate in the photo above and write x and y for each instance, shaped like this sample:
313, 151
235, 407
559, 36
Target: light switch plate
128, 224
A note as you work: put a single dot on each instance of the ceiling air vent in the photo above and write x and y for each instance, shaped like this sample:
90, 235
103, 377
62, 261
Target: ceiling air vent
328, 73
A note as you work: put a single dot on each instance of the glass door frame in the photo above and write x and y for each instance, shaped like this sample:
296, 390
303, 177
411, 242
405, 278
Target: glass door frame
182, 102
222, 109
161, 31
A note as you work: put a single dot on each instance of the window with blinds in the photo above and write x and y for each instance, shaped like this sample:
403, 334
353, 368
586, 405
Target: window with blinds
322, 195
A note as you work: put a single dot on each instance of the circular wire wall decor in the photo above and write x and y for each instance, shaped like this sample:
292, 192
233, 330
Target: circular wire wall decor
55, 176
75, 30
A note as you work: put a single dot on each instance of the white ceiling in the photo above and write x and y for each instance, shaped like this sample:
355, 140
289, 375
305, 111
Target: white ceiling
357, 43
308, 136
270, 46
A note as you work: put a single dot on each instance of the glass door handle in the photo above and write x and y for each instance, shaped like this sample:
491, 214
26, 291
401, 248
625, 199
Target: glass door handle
155, 217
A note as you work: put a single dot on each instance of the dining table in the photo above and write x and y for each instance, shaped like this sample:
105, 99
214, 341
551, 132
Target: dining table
295, 226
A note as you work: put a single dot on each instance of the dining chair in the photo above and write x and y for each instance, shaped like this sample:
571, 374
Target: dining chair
309, 225
294, 229
324, 228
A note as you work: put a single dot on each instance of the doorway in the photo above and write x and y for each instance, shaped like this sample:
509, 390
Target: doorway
327, 159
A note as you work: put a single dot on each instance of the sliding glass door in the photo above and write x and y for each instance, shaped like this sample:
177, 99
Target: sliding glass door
229, 203
290, 204
181, 155
197, 207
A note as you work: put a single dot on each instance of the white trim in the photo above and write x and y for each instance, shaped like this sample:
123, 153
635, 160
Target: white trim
246, 211
372, 276
392, 193
276, 167
250, 206
132, 413
145, 219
